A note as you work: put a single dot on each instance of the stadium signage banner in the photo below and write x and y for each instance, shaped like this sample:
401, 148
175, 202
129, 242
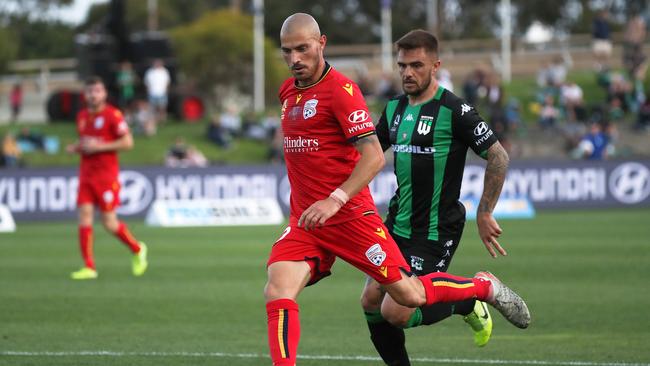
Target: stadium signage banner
222, 212
45, 194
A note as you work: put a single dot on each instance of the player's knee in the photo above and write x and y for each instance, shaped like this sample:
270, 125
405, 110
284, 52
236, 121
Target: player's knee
272, 291
396, 317
370, 302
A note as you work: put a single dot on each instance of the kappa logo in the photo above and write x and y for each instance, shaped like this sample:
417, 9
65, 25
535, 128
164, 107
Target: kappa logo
441, 264
630, 183
449, 243
380, 233
481, 129
310, 108
99, 122
348, 88
464, 109
376, 255
395, 122
358, 116
424, 126
409, 118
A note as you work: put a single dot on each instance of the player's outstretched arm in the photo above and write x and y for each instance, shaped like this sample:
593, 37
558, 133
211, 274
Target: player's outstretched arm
371, 162
495, 174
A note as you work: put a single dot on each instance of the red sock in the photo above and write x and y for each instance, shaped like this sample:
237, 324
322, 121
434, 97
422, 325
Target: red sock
86, 245
125, 236
283, 331
443, 287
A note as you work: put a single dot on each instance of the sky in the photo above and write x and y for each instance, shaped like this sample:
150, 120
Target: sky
77, 12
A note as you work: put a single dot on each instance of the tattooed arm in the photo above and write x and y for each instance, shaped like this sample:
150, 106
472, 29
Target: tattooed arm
495, 175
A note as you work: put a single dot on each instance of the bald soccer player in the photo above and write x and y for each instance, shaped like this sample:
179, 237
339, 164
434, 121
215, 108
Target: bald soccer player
332, 153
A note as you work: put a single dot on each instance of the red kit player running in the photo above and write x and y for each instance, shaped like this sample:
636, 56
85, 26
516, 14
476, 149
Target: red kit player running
102, 133
332, 153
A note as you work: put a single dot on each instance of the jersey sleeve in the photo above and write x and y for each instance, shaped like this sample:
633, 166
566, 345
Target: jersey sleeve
351, 112
119, 127
382, 131
470, 128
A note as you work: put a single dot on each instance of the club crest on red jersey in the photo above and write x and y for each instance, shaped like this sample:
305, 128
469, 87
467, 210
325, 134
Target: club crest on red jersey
309, 109
99, 122
376, 255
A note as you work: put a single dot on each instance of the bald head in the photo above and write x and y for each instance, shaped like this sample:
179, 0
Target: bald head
300, 23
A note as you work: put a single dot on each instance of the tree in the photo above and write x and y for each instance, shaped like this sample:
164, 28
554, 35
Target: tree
8, 49
217, 50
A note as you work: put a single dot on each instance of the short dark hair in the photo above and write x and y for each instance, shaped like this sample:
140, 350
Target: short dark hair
418, 38
92, 80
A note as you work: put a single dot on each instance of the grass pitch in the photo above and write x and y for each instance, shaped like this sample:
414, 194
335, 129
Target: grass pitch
584, 275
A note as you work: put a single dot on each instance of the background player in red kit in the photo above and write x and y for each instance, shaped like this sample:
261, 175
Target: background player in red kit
332, 153
102, 133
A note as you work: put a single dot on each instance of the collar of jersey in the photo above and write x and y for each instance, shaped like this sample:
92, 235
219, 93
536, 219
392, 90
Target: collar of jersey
325, 72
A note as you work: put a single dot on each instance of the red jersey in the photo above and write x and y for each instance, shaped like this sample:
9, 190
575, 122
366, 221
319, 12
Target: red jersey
320, 122
107, 125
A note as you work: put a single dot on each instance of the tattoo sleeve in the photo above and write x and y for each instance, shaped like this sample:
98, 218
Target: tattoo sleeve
495, 175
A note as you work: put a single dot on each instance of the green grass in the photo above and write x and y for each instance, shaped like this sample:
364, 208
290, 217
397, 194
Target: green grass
148, 150
583, 273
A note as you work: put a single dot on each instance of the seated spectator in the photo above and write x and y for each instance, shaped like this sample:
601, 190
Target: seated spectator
621, 89
573, 102
643, 117
549, 113
217, 134
231, 122
144, 118
595, 145
35, 139
10, 152
180, 155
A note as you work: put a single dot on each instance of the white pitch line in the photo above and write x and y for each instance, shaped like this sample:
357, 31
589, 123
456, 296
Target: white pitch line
313, 357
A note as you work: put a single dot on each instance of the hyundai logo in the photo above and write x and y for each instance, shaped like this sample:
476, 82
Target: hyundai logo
136, 193
480, 129
630, 183
358, 116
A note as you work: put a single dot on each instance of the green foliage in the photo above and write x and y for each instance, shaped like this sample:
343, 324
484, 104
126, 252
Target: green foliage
8, 48
217, 49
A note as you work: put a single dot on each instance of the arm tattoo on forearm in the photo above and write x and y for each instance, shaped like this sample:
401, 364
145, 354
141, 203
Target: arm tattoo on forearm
495, 175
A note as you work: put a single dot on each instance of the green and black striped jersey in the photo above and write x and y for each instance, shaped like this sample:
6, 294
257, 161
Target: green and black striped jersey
430, 142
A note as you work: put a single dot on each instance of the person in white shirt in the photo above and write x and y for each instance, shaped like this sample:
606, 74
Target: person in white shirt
157, 81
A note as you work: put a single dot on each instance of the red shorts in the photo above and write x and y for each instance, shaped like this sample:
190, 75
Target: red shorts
104, 194
363, 242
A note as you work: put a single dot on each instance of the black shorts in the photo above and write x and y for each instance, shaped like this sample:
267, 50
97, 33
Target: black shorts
428, 256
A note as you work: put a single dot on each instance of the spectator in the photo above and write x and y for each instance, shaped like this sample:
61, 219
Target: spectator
157, 81
643, 118
601, 44
10, 151
573, 102
143, 118
386, 87
217, 134
595, 145
180, 155
16, 101
126, 84
549, 113
444, 79
633, 57
557, 71
35, 140
231, 122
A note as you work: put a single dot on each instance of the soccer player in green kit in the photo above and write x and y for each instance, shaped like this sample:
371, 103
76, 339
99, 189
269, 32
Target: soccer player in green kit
430, 130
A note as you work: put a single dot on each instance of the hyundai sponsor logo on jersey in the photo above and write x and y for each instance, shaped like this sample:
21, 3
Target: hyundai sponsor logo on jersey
45, 194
